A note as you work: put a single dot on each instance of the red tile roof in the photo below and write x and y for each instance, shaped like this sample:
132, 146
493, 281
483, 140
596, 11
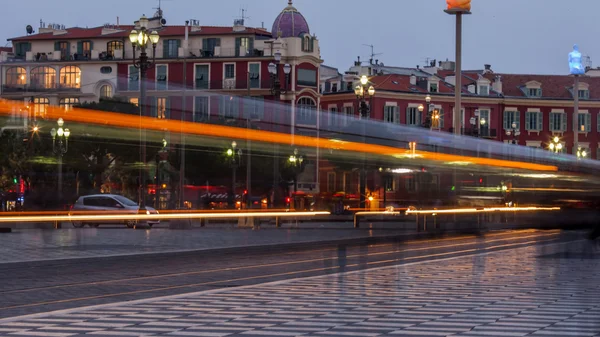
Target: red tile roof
553, 86
401, 83
96, 32
6, 49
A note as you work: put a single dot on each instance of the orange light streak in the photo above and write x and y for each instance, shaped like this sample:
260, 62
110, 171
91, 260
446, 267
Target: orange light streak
111, 119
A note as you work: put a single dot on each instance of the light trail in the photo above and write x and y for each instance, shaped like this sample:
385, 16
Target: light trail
111, 119
483, 210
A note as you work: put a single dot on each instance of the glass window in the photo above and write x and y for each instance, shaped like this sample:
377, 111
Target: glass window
534, 92
433, 87
413, 116
135, 101
134, 79
306, 111
244, 46
161, 108
202, 76
70, 77
584, 94
509, 118
161, 77
584, 122
533, 121
229, 71
390, 184
558, 121
254, 73
391, 114
63, 47
16, 76
201, 112
43, 78
106, 70
68, 103
87, 48
208, 46
307, 77
411, 184
40, 107
21, 49
229, 107
106, 91
114, 47
484, 90
171, 48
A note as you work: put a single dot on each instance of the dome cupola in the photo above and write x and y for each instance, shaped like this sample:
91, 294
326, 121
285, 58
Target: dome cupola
290, 23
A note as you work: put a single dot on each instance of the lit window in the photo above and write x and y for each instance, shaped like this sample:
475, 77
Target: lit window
43, 78
70, 77
40, 107
68, 103
584, 122
114, 47
16, 76
106, 91
135, 101
161, 108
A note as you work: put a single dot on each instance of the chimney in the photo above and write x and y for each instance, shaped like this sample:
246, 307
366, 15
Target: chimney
497, 84
488, 68
357, 63
413, 80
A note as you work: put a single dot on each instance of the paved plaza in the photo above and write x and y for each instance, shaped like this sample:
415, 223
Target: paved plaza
551, 290
42, 245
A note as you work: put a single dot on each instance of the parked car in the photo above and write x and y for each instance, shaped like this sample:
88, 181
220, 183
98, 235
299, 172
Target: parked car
110, 204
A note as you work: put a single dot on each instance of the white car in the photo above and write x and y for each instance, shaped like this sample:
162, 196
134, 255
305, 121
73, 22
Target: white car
108, 204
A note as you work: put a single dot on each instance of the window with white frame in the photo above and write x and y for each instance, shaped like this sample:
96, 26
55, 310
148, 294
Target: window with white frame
229, 71
534, 92
584, 122
413, 116
391, 114
584, 94
533, 121
161, 77
558, 122
202, 74
484, 90
306, 111
201, 112
254, 75
106, 91
511, 117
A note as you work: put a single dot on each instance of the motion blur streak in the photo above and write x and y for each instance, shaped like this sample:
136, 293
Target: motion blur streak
219, 131
159, 216
485, 210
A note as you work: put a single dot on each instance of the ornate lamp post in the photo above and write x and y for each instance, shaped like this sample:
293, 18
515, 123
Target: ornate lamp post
576, 69
555, 145
514, 132
364, 92
142, 40
60, 146
277, 91
235, 157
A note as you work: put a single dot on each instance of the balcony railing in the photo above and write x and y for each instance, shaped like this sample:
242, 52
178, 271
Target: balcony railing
483, 133
38, 88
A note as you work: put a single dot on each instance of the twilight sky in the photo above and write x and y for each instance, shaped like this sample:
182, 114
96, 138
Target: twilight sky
514, 36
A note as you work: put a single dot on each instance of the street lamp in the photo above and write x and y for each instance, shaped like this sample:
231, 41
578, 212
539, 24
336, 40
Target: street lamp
514, 132
296, 162
60, 146
142, 40
235, 156
276, 87
581, 153
555, 145
432, 117
363, 92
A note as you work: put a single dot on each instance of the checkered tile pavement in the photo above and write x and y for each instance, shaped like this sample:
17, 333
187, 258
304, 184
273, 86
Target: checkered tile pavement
524, 292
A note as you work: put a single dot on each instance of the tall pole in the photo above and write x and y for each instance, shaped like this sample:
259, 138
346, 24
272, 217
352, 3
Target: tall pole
277, 93
183, 111
143, 73
60, 176
576, 115
458, 87
249, 151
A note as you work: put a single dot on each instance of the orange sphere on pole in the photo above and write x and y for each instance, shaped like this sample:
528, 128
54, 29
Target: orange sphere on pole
459, 4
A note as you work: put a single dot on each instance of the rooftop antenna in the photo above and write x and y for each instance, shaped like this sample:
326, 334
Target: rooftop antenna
373, 54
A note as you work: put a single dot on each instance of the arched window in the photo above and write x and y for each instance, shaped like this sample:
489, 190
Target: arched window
106, 91
70, 77
306, 111
68, 103
114, 47
43, 78
40, 106
16, 76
